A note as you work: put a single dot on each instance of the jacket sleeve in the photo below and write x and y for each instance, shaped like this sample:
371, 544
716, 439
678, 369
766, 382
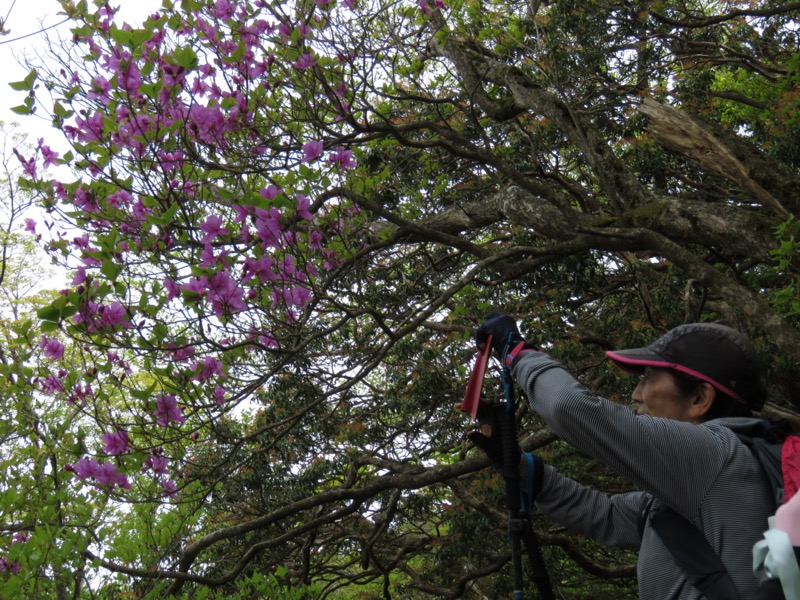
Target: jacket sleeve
613, 520
654, 453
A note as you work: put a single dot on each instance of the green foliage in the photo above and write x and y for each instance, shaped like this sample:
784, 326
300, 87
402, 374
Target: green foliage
311, 322
787, 257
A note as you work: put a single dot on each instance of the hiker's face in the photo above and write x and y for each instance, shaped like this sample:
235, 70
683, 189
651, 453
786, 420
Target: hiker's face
658, 396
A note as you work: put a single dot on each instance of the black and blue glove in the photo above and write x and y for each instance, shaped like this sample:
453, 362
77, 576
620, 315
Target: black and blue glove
529, 466
504, 331
507, 341
491, 415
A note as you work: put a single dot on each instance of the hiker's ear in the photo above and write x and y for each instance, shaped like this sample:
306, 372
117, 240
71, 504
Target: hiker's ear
702, 400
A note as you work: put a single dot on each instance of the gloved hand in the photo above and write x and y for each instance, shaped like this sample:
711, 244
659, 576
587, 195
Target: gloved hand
504, 331
529, 466
492, 444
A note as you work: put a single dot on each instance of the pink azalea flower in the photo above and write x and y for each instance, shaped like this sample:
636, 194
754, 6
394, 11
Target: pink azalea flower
224, 9
263, 268
28, 164
120, 198
183, 354
121, 480
343, 159
306, 61
315, 240
157, 464
268, 340
297, 296
167, 410
303, 205
30, 225
50, 157
80, 276
52, 385
285, 31
212, 228
208, 121
85, 468
169, 487
115, 315
170, 160
196, 286
99, 90
270, 192
207, 369
53, 349
116, 443
207, 257
224, 294
268, 227
10, 566
106, 473
300, 296
219, 395
173, 289
312, 150
91, 129
81, 391
428, 6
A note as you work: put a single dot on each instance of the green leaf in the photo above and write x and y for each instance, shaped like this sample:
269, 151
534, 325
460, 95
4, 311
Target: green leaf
110, 269
49, 313
31, 78
60, 111
166, 217
140, 36
143, 394
121, 36
48, 327
186, 58
22, 328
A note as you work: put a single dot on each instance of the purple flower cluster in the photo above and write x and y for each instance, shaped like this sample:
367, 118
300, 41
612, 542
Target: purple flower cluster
168, 411
105, 474
53, 349
252, 258
116, 443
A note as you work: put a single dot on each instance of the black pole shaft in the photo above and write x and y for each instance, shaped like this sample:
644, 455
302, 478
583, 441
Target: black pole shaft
519, 525
538, 568
511, 456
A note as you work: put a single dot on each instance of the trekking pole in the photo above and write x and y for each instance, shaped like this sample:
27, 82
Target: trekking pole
519, 523
511, 453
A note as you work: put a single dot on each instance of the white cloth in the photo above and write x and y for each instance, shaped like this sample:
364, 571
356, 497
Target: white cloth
774, 558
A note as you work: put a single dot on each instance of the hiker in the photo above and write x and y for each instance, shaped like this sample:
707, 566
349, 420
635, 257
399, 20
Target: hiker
699, 383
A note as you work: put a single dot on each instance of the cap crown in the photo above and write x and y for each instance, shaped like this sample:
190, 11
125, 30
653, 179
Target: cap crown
718, 354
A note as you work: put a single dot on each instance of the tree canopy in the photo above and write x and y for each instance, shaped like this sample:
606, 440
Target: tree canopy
283, 222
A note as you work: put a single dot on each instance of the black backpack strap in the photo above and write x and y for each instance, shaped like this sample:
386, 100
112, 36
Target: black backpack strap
767, 451
693, 553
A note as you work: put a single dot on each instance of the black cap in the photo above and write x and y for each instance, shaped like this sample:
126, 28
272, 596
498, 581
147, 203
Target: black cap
720, 355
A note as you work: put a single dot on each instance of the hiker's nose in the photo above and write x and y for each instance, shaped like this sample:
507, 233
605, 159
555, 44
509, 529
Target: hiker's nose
637, 395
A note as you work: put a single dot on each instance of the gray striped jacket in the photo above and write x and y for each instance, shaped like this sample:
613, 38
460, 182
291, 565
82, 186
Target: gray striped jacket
702, 471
